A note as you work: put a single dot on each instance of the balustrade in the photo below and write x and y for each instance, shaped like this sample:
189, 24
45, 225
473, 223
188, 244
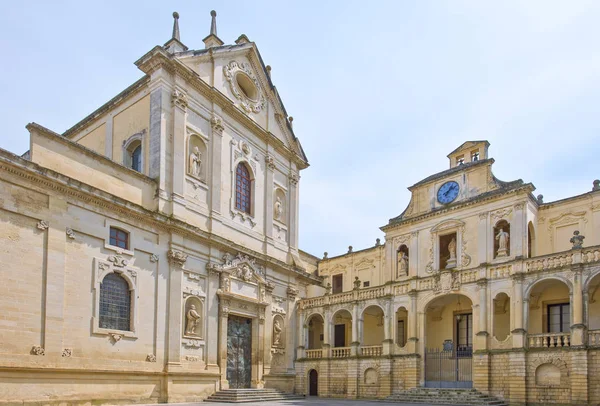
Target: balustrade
594, 338
590, 255
549, 340
372, 350
314, 354
340, 352
549, 262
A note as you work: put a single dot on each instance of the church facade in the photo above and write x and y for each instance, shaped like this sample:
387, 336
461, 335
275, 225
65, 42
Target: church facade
150, 254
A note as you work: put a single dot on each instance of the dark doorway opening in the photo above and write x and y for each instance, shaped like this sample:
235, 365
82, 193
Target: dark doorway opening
313, 386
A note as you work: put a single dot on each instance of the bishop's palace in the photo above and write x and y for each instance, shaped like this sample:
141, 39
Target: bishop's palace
150, 254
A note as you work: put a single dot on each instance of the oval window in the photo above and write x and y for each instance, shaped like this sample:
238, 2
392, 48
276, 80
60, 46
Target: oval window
247, 87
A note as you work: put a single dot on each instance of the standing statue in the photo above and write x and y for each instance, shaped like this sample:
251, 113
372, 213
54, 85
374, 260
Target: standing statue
193, 319
277, 332
195, 162
451, 263
402, 264
577, 240
278, 212
502, 238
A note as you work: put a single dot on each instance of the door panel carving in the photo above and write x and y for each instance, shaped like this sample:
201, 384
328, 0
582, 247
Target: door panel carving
239, 352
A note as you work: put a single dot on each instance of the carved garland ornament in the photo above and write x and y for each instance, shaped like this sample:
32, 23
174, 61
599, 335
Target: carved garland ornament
231, 71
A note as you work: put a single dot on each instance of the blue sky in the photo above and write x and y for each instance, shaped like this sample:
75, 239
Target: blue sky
380, 93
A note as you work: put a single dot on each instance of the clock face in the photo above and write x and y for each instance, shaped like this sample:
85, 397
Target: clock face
448, 192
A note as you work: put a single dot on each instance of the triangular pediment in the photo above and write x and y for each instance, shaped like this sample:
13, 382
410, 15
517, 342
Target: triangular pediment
238, 72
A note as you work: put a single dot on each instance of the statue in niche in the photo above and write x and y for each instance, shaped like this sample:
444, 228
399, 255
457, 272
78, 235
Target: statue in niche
502, 238
193, 320
402, 264
451, 263
195, 162
278, 209
277, 329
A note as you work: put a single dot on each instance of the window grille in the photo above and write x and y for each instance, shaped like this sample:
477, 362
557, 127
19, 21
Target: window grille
243, 189
115, 303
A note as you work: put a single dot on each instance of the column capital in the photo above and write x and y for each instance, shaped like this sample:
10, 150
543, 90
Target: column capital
177, 257
216, 124
179, 99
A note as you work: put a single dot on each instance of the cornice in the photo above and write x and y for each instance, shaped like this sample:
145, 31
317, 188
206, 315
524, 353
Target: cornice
496, 194
66, 186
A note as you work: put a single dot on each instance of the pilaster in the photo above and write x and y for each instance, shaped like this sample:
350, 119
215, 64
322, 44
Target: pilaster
212, 331
517, 378
483, 234
518, 304
518, 244
177, 260
580, 380
269, 189
294, 178
178, 170
216, 163
482, 334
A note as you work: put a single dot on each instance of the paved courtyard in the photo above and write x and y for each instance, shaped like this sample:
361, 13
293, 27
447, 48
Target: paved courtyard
313, 401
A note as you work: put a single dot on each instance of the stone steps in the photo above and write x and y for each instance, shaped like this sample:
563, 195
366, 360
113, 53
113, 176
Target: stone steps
436, 396
251, 395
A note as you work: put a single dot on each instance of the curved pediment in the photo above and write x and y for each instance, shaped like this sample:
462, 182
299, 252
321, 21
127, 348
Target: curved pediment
447, 224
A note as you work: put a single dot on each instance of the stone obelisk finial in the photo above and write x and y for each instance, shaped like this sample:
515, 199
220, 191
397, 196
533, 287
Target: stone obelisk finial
176, 26
175, 45
212, 40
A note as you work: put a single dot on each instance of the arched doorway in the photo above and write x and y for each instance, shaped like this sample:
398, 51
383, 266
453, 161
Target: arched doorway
313, 383
449, 342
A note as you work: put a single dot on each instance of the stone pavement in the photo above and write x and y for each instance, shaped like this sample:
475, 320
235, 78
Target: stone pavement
309, 401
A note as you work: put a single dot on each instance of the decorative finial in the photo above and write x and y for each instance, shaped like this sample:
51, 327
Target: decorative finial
176, 26
540, 199
577, 240
377, 242
325, 254
213, 23
269, 71
349, 249
291, 120
596, 184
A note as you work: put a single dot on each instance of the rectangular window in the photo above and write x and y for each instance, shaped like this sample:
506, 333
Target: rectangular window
474, 156
460, 160
338, 283
464, 331
119, 238
559, 318
366, 284
400, 333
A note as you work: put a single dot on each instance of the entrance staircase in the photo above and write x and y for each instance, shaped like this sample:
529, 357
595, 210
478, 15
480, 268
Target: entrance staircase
434, 396
250, 395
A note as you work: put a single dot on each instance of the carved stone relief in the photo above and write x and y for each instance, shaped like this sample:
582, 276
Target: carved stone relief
249, 103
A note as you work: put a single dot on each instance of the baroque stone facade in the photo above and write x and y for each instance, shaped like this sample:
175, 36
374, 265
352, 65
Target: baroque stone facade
155, 244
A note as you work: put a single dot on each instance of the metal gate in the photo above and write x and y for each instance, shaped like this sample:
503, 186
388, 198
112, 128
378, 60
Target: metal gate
239, 352
449, 368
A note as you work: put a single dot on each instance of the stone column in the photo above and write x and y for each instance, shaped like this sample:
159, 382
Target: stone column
518, 304
293, 216
292, 323
269, 190
577, 328
216, 143
413, 333
388, 341
177, 260
518, 230
51, 339
157, 154
355, 343
483, 333
212, 311
327, 326
222, 347
482, 238
301, 328
413, 254
179, 161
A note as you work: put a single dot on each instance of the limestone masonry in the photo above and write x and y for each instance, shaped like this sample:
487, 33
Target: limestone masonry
150, 254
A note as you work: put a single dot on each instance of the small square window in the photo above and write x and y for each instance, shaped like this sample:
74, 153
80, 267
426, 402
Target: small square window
119, 238
460, 160
474, 156
366, 284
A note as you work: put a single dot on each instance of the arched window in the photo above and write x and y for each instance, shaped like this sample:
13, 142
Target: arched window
136, 159
243, 189
115, 303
